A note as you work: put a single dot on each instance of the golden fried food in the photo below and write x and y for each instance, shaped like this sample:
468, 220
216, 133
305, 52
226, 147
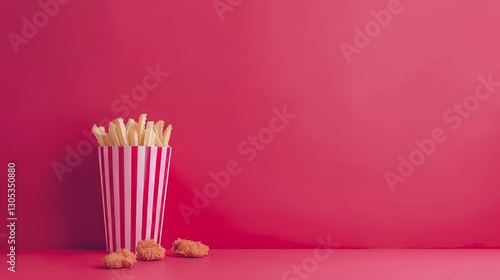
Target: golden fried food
189, 248
120, 259
149, 250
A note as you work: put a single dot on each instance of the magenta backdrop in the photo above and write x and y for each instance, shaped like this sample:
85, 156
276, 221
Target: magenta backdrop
369, 87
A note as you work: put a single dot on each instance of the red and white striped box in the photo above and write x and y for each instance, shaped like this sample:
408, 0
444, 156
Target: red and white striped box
134, 183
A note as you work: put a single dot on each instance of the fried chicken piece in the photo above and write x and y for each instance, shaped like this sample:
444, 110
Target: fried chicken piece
149, 250
119, 259
189, 248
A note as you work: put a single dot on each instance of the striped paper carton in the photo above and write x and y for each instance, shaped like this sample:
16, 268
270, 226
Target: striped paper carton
134, 190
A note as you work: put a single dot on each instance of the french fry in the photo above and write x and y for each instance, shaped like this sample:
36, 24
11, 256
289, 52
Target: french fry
98, 135
104, 139
159, 129
166, 137
147, 134
96, 130
157, 140
152, 139
104, 135
159, 132
130, 126
113, 138
140, 128
133, 138
111, 133
128, 131
121, 132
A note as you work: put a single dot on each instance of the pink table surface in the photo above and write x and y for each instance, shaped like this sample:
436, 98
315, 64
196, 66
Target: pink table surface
387, 264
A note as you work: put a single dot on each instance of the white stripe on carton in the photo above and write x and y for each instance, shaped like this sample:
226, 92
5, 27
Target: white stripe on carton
116, 194
127, 154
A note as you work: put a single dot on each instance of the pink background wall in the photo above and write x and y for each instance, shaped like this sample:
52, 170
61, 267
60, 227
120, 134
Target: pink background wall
322, 174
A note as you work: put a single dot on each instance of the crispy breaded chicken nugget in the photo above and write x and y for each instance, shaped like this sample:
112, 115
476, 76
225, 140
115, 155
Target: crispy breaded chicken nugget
189, 248
120, 259
149, 250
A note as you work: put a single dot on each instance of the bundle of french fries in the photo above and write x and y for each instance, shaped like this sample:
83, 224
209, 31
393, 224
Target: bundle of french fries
133, 133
